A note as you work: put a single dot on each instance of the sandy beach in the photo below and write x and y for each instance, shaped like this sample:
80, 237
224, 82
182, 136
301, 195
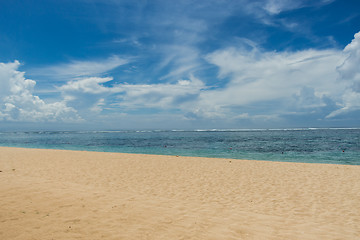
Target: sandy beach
57, 194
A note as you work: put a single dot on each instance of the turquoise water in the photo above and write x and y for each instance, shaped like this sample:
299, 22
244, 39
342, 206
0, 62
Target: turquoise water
335, 146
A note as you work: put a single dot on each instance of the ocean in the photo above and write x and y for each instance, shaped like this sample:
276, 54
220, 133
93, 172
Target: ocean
334, 146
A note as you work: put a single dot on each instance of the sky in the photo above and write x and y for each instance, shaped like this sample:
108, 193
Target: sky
190, 64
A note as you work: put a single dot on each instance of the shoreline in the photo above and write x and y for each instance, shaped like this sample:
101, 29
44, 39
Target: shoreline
185, 156
67, 194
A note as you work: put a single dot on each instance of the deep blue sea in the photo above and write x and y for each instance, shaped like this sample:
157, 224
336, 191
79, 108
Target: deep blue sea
335, 146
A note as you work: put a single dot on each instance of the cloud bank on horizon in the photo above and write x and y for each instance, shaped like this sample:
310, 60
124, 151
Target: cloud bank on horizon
193, 64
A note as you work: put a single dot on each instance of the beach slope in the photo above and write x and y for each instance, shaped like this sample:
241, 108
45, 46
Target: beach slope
57, 194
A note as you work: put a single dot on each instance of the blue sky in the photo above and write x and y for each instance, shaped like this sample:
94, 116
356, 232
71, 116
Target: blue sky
121, 64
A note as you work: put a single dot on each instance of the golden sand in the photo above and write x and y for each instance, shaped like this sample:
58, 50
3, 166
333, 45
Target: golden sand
56, 194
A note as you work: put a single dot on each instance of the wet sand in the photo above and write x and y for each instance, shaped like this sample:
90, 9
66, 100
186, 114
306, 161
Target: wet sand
56, 194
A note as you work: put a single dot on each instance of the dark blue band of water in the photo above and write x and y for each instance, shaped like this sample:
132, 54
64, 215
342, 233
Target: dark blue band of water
335, 146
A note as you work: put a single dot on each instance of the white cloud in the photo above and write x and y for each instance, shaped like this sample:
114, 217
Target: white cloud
17, 102
88, 95
349, 72
76, 69
89, 85
305, 80
258, 77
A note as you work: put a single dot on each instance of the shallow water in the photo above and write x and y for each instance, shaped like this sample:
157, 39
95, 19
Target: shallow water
336, 146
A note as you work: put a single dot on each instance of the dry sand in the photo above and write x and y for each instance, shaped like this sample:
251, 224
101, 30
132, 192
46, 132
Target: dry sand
55, 194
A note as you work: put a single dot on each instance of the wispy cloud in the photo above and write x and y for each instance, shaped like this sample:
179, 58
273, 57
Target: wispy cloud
76, 68
277, 6
129, 97
161, 96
